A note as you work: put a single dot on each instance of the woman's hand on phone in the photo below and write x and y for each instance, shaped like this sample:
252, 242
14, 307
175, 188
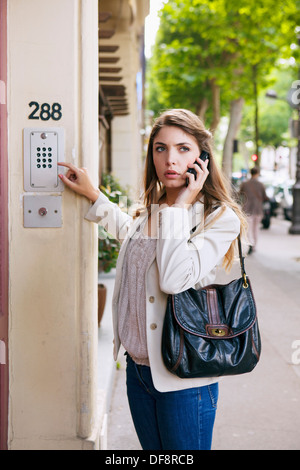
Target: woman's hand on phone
195, 185
78, 180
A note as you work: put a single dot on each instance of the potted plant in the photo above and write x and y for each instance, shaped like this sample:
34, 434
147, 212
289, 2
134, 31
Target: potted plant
108, 247
108, 251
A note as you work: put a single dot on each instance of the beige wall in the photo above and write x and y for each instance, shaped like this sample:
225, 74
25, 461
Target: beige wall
53, 57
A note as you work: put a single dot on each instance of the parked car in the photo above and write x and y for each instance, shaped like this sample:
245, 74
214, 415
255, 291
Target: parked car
270, 207
280, 196
284, 196
274, 204
266, 220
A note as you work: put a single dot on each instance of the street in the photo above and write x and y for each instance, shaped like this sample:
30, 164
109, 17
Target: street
260, 410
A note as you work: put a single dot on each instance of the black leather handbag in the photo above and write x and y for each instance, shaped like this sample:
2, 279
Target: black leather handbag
213, 331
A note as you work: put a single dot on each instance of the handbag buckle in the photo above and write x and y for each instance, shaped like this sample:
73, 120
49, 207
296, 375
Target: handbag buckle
217, 330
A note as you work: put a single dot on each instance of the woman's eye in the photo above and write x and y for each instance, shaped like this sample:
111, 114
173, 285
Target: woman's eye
160, 149
184, 149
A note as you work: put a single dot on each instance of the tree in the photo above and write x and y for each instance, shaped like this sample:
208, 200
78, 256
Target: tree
213, 53
267, 29
274, 114
189, 67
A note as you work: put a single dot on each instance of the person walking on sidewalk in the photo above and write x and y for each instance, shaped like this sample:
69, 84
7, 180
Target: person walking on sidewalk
253, 196
189, 226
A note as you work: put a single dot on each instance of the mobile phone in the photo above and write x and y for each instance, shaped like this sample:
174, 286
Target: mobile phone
204, 156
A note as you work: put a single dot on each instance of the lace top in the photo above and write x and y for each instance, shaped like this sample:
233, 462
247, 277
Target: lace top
132, 300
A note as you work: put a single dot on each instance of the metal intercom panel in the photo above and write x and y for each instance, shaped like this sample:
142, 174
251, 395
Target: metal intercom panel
43, 148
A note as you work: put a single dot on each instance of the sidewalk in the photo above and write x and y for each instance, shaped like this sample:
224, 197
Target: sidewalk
261, 410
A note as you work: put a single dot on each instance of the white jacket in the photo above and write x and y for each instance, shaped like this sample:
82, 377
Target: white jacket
183, 259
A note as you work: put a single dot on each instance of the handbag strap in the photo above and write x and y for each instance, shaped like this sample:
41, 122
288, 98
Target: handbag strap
242, 262
242, 258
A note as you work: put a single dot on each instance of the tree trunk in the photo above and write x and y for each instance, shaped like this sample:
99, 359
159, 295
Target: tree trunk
255, 93
203, 105
215, 105
201, 109
236, 108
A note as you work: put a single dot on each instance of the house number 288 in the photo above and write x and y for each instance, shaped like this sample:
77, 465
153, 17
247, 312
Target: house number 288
45, 111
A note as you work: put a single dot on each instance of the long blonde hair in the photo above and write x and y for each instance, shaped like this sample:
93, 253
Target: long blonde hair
216, 190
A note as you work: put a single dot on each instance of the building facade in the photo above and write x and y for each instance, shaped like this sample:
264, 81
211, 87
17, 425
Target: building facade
50, 89
122, 74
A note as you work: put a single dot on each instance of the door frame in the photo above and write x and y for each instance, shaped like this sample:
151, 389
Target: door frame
3, 231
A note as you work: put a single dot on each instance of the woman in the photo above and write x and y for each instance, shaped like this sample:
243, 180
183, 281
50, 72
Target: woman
189, 226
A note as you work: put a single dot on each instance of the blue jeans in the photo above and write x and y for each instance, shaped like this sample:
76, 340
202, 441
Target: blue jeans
180, 420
